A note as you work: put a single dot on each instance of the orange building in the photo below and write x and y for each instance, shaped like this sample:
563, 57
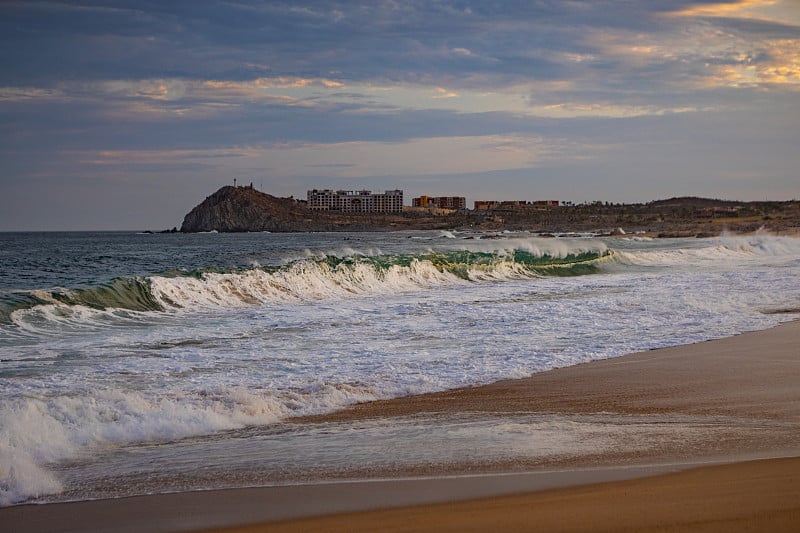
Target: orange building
440, 202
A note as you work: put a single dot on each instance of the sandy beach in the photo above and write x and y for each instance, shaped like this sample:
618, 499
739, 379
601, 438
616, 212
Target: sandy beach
736, 470
748, 496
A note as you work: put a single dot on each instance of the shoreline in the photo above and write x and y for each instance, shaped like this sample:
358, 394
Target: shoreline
747, 382
442, 502
702, 374
743, 496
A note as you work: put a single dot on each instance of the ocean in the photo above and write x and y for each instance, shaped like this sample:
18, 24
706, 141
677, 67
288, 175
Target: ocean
145, 363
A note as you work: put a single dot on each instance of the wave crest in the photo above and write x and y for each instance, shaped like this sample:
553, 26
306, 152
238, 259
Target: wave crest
737, 249
311, 278
330, 277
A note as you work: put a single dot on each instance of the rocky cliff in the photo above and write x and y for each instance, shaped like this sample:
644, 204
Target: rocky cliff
233, 209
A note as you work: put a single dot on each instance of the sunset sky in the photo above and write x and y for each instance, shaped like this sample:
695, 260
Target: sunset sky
126, 114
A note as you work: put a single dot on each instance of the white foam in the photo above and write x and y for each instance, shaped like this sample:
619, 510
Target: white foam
723, 252
301, 281
537, 247
313, 279
255, 346
38, 432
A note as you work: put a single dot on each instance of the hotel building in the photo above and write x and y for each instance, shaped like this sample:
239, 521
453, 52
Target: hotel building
356, 201
440, 202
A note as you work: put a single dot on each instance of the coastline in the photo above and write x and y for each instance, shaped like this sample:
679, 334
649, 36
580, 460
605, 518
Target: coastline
243, 209
745, 496
746, 382
733, 376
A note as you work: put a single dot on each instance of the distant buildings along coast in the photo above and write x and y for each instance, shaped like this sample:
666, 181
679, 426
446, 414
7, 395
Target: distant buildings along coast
440, 202
356, 201
391, 201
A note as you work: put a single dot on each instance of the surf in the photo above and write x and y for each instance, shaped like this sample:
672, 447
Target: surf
720, 251
317, 277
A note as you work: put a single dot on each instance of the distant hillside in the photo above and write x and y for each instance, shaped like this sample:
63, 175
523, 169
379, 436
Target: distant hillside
693, 201
240, 209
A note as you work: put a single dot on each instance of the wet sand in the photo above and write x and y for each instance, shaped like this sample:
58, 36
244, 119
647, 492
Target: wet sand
752, 375
748, 496
750, 383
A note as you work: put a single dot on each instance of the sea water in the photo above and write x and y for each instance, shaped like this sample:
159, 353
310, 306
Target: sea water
171, 361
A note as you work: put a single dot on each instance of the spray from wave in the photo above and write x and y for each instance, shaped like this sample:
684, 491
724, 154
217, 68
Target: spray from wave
716, 251
350, 272
40, 432
313, 278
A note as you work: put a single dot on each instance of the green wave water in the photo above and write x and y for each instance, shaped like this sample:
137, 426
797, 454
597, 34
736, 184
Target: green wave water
135, 293
463, 263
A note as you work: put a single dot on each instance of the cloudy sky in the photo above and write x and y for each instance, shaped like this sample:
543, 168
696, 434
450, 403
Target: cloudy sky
125, 114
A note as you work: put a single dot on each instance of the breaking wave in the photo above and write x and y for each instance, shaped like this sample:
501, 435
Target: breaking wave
312, 278
723, 250
352, 273
46, 426
41, 432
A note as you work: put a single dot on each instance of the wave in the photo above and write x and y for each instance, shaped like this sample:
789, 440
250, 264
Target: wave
349, 272
41, 432
54, 426
716, 251
312, 278
130, 294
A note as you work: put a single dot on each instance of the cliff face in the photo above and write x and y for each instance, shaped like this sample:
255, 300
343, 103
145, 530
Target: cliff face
232, 209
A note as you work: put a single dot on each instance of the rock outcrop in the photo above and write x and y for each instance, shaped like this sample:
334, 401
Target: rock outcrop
234, 209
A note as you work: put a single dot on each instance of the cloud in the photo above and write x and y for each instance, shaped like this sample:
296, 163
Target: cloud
21, 94
723, 9
444, 93
323, 89
481, 48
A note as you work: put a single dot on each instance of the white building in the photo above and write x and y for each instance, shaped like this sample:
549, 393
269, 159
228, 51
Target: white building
356, 201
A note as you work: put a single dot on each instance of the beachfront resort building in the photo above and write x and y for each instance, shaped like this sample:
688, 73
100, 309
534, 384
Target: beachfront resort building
356, 201
440, 202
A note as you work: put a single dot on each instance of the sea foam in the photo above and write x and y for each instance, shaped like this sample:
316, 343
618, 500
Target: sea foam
252, 346
40, 432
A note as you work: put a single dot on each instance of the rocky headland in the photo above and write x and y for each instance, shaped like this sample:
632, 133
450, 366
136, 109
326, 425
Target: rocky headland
240, 209
244, 209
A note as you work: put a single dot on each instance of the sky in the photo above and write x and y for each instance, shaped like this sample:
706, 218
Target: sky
118, 115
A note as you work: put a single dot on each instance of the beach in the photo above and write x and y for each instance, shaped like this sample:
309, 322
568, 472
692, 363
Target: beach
749, 496
737, 469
